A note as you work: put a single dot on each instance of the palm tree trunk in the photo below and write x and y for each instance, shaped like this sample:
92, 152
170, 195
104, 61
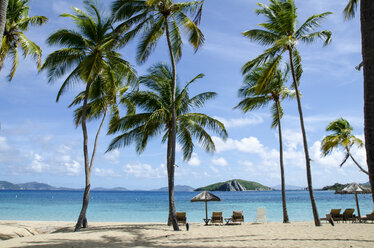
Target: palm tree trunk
283, 185
172, 137
82, 220
367, 33
317, 221
97, 138
3, 9
357, 164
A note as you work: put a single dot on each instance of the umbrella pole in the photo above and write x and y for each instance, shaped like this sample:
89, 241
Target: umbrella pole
206, 209
358, 207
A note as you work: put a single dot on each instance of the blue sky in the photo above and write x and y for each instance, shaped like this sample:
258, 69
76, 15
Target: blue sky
39, 142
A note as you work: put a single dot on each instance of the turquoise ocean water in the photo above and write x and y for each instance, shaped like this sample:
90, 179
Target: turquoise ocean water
145, 206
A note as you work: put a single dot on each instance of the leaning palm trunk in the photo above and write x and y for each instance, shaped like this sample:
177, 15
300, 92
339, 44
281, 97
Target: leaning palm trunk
367, 33
3, 9
317, 221
285, 214
172, 138
357, 164
82, 219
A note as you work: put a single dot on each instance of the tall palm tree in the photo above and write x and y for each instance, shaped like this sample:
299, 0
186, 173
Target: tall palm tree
17, 22
367, 39
341, 137
86, 53
3, 8
275, 91
157, 118
152, 19
281, 32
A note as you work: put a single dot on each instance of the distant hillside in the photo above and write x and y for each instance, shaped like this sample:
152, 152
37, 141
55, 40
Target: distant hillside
338, 186
183, 188
234, 185
4, 185
288, 187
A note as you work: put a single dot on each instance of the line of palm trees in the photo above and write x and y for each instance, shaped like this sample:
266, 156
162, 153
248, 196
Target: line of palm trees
89, 55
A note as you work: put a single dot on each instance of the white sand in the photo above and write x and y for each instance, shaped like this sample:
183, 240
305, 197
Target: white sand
298, 234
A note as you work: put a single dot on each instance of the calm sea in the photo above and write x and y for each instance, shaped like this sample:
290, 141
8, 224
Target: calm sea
145, 206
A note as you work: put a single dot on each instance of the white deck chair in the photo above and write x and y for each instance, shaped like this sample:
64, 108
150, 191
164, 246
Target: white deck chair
261, 215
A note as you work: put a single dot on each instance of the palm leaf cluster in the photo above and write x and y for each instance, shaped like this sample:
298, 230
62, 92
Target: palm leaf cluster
341, 137
281, 32
150, 19
155, 118
17, 22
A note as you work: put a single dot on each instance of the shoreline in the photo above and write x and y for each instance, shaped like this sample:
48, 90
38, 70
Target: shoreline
120, 234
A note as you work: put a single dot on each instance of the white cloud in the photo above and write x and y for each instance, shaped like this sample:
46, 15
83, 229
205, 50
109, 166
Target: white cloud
241, 122
194, 161
105, 173
219, 161
37, 164
113, 156
140, 170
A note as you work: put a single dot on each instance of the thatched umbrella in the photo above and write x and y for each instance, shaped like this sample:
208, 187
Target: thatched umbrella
205, 196
354, 188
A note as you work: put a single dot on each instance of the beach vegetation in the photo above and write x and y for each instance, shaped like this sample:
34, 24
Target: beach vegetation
274, 91
341, 137
17, 23
88, 54
281, 32
151, 20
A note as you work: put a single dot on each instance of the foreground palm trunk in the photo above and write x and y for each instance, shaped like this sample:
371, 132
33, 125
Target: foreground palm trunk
317, 221
283, 185
82, 220
3, 9
367, 33
172, 138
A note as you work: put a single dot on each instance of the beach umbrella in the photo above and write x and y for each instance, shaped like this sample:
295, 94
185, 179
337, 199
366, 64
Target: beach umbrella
354, 188
205, 196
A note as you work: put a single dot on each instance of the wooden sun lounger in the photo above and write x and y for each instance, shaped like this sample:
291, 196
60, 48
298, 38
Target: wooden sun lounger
216, 218
181, 218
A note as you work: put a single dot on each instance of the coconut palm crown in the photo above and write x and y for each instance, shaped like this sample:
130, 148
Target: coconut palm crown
18, 22
154, 18
350, 9
156, 118
341, 137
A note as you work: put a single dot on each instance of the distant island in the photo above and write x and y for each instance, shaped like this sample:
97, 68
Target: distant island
4, 185
183, 188
288, 187
234, 185
338, 186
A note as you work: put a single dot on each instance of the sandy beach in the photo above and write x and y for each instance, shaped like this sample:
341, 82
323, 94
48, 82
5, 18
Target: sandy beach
298, 234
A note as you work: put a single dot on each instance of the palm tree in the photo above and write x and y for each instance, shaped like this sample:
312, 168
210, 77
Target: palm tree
17, 22
87, 53
157, 118
281, 32
275, 92
3, 8
367, 37
153, 19
341, 137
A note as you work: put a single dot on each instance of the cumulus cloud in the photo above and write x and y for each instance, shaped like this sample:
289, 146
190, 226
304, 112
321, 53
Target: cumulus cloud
219, 161
140, 170
194, 161
241, 122
105, 173
113, 156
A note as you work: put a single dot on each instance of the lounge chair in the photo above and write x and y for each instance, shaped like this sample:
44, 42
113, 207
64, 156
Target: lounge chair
181, 218
334, 215
348, 215
261, 215
237, 217
368, 217
217, 218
